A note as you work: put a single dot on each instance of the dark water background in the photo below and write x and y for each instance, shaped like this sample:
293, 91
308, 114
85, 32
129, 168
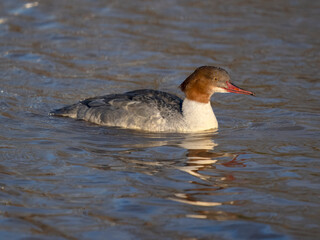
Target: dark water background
258, 177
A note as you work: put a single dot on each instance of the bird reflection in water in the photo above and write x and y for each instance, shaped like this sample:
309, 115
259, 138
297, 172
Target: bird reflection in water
201, 163
200, 157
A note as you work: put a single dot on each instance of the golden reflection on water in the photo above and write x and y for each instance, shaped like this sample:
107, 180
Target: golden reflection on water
200, 159
214, 214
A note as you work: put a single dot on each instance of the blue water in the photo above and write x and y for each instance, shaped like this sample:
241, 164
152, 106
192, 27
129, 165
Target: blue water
257, 177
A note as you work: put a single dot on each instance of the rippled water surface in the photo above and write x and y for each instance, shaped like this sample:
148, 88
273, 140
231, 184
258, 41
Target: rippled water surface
258, 177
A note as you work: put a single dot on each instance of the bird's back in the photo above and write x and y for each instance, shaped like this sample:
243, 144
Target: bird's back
140, 109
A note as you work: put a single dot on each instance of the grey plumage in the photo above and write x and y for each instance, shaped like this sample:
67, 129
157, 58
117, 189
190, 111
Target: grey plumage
130, 108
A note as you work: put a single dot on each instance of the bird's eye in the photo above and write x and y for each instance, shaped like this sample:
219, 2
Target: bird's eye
215, 78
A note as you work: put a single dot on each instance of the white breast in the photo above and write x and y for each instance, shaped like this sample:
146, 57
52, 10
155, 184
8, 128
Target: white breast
198, 116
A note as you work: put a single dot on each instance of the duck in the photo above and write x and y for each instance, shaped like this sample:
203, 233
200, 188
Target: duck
158, 111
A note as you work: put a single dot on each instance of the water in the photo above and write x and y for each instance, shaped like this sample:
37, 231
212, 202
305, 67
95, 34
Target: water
256, 178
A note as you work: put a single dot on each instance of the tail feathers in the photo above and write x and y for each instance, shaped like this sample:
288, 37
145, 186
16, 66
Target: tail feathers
68, 111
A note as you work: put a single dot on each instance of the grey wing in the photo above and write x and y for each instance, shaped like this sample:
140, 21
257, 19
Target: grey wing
164, 102
78, 109
135, 106
95, 105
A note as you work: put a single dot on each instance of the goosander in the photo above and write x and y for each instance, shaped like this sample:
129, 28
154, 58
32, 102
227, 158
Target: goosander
158, 111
